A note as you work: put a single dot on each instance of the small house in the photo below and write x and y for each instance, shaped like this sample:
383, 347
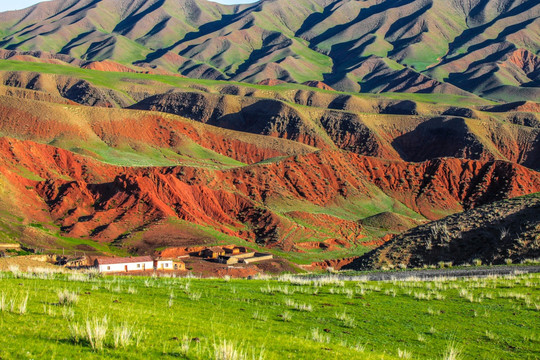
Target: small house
257, 257
213, 252
179, 265
126, 264
163, 264
76, 263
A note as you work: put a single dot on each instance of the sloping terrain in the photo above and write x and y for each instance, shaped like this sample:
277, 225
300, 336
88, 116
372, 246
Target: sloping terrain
313, 129
424, 46
411, 128
503, 231
307, 173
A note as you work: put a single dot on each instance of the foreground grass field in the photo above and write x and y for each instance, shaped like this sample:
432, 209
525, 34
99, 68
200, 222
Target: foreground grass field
44, 315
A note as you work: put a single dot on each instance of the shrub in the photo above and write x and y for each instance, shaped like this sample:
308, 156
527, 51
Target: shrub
318, 336
286, 316
226, 350
67, 298
96, 332
452, 352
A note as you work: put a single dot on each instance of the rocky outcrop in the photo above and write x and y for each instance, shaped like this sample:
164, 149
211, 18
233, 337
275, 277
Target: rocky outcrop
507, 231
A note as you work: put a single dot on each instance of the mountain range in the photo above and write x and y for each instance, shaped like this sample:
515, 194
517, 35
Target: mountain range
485, 47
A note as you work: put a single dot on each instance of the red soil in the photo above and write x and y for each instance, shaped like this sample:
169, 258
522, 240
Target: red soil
525, 60
336, 264
271, 82
318, 85
107, 65
88, 198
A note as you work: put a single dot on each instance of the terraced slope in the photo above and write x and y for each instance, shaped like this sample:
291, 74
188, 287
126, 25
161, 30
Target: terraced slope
426, 46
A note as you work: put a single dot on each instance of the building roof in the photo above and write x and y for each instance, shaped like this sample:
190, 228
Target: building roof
216, 249
123, 260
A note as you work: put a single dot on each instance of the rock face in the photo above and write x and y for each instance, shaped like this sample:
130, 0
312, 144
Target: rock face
422, 46
496, 233
392, 130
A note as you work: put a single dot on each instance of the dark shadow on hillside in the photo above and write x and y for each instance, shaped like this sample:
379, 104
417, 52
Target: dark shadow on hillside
438, 137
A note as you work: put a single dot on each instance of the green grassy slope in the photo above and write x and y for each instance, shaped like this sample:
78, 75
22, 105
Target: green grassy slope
192, 319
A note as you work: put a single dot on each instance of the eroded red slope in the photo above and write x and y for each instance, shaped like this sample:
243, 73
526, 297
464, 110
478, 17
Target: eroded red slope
90, 199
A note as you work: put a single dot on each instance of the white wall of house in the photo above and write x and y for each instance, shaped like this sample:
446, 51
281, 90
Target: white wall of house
139, 266
165, 265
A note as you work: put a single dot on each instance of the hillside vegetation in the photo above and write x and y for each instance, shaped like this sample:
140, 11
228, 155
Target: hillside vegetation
506, 231
422, 46
84, 316
127, 162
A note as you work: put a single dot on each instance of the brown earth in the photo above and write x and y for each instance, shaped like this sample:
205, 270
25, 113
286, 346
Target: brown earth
271, 82
24, 263
318, 85
496, 233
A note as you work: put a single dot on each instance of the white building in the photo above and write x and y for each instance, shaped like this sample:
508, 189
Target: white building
164, 264
128, 264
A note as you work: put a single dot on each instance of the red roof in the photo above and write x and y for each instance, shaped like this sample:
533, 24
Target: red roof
124, 260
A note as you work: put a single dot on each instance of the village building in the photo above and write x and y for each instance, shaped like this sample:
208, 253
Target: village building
169, 264
228, 260
213, 252
257, 257
234, 250
126, 264
179, 265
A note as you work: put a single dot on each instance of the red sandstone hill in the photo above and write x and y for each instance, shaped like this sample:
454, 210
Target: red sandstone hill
143, 180
271, 82
318, 85
107, 65
87, 198
318, 173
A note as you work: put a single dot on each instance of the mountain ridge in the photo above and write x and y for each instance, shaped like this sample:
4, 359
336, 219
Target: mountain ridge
369, 46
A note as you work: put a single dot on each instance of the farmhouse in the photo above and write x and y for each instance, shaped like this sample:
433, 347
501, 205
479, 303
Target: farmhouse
127, 264
235, 250
169, 264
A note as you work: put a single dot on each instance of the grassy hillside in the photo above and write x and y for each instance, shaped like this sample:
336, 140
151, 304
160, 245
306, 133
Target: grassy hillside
370, 46
154, 83
267, 319
290, 168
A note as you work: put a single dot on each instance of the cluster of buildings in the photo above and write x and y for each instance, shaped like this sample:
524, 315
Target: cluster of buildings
229, 255
127, 264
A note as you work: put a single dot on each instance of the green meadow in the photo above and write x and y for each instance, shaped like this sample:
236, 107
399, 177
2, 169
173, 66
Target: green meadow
49, 315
